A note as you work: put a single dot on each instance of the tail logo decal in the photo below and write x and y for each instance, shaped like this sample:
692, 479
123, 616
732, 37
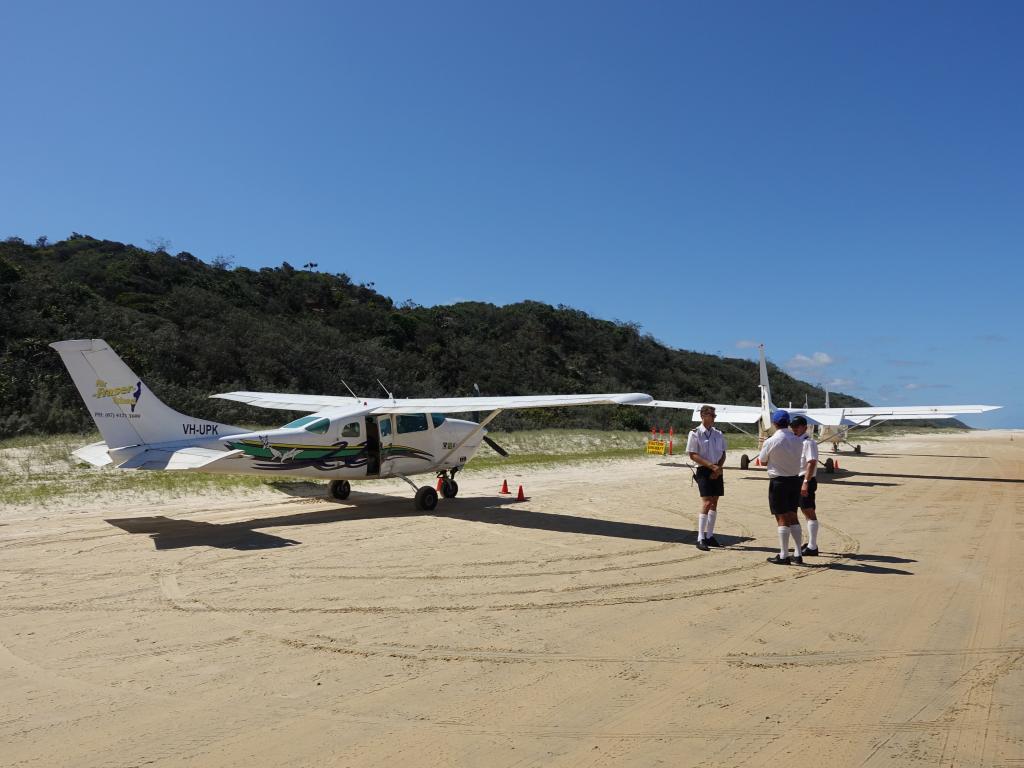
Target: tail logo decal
116, 394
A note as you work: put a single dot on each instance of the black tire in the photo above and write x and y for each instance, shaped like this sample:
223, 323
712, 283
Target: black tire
340, 489
856, 449
449, 489
426, 498
744, 461
830, 466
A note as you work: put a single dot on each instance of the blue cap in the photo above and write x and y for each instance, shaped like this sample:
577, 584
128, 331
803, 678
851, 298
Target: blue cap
780, 418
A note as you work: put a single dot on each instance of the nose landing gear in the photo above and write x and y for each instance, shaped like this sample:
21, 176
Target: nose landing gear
449, 488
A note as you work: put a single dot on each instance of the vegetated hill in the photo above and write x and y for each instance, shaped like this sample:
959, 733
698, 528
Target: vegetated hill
192, 329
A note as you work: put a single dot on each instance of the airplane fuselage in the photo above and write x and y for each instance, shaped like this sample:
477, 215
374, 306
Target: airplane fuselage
353, 448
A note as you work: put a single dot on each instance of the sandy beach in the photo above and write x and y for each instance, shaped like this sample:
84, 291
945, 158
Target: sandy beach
579, 627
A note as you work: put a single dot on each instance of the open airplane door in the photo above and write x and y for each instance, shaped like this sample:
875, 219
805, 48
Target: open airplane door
386, 427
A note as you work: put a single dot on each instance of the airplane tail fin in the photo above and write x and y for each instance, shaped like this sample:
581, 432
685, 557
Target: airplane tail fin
123, 407
766, 392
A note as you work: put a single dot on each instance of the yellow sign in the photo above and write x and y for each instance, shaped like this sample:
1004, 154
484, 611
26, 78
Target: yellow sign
656, 447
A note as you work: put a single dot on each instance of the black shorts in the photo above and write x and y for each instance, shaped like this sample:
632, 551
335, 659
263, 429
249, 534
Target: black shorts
707, 485
784, 494
807, 502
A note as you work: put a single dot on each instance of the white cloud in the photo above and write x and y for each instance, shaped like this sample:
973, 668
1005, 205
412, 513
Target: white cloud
746, 344
813, 363
918, 385
844, 383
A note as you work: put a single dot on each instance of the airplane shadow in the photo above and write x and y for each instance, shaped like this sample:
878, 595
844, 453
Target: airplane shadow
169, 533
858, 473
864, 484
825, 479
838, 478
922, 455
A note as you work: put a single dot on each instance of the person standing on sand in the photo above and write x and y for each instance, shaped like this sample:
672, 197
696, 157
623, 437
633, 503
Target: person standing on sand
706, 446
808, 466
781, 454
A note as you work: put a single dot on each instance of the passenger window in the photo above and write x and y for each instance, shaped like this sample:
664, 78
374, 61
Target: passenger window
319, 426
385, 427
351, 429
438, 419
412, 422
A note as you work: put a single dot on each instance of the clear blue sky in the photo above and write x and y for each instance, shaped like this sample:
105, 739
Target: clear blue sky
844, 182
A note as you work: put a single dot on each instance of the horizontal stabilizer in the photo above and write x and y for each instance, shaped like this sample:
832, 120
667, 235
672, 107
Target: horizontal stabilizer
95, 454
175, 458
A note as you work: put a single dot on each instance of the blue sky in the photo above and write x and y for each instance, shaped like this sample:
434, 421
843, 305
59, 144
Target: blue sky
844, 182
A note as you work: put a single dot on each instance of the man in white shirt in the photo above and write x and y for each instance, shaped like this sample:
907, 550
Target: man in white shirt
781, 454
809, 466
706, 446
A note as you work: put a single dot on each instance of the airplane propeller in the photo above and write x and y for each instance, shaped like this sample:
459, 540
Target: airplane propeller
497, 448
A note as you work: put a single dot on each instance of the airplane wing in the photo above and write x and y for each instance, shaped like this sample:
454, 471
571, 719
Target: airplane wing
316, 403
303, 403
470, 404
732, 414
861, 416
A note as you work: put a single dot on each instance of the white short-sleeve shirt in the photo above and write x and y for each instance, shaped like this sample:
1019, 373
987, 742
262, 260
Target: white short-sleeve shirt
709, 443
781, 453
809, 452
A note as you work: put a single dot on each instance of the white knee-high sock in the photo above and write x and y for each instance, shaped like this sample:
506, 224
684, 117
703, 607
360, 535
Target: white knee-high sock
797, 538
702, 526
712, 514
812, 531
783, 541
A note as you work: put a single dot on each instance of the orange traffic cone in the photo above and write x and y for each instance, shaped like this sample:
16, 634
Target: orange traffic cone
504, 487
521, 496
835, 464
757, 462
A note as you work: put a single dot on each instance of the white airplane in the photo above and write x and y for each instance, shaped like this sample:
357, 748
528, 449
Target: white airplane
833, 423
343, 438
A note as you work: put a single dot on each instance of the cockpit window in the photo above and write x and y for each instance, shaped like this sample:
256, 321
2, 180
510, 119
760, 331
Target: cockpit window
319, 426
351, 429
412, 422
438, 419
385, 427
299, 422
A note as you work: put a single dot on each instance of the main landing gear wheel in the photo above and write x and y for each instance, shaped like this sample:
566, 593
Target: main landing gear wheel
744, 461
426, 498
449, 488
830, 466
340, 489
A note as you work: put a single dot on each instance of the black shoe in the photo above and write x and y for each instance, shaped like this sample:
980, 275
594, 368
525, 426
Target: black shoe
711, 541
703, 546
778, 560
797, 560
808, 551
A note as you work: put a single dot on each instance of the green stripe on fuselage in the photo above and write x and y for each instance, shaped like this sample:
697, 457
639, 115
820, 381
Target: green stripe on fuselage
256, 449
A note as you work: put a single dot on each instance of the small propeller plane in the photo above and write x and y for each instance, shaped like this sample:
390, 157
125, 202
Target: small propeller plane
833, 423
342, 438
